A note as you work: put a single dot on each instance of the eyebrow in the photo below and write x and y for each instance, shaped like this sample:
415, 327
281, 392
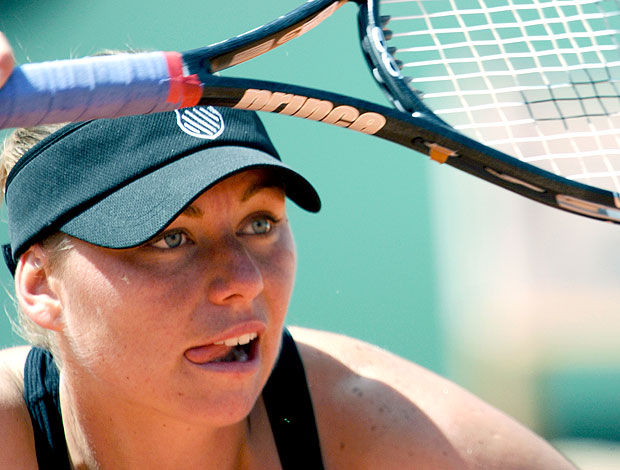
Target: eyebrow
270, 182
193, 212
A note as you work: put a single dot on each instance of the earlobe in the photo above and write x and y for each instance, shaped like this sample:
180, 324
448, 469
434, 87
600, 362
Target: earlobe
35, 295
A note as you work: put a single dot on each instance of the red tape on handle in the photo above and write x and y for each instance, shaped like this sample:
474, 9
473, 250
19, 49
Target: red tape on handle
185, 91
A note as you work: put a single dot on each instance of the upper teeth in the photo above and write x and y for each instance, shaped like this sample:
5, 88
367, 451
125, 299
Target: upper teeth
243, 339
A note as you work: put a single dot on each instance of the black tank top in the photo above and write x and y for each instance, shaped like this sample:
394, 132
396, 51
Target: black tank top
286, 398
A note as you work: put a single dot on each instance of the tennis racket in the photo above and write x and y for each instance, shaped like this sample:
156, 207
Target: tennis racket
521, 93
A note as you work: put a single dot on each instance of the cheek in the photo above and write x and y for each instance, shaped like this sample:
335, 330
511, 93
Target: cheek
86, 300
106, 315
278, 270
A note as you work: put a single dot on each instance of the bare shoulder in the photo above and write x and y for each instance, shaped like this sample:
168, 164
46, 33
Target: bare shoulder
377, 410
17, 450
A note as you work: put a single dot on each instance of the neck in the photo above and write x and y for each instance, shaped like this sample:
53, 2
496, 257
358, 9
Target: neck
103, 434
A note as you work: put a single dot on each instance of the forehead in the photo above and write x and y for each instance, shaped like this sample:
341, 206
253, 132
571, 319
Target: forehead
241, 186
248, 182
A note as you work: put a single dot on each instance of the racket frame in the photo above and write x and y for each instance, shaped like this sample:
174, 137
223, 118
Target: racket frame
411, 124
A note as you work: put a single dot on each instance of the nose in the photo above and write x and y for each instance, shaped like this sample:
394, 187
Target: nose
237, 277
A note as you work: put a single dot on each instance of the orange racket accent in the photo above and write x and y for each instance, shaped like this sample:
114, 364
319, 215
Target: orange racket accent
438, 153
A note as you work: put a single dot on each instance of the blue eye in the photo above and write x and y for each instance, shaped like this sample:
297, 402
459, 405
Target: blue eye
170, 240
261, 226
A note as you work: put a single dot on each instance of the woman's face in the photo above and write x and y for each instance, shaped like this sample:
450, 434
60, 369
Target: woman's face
155, 326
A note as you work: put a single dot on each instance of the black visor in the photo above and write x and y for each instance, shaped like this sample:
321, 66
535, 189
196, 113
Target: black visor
118, 182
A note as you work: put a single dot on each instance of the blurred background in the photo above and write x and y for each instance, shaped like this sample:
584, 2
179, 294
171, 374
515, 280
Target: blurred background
515, 302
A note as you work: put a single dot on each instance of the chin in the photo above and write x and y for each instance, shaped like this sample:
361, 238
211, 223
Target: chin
221, 413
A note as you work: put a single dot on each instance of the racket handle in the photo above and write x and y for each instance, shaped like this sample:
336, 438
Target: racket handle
96, 87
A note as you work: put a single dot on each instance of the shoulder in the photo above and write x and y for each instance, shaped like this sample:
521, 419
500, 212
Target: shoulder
17, 450
377, 410
12, 376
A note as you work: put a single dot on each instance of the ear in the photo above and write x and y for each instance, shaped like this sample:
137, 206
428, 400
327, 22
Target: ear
35, 295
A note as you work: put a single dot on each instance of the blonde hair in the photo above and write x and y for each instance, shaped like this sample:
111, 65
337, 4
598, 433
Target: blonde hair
14, 147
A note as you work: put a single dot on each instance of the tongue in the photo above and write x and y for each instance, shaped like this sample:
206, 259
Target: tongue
216, 353
204, 354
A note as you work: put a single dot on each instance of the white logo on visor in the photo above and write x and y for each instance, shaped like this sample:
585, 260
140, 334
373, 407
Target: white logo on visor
202, 122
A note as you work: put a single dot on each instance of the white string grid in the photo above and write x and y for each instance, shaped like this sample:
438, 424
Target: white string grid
537, 79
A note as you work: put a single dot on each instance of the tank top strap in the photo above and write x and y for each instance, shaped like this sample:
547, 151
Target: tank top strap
41, 393
291, 415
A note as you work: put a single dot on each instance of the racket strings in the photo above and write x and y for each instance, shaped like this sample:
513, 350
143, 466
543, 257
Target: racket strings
537, 79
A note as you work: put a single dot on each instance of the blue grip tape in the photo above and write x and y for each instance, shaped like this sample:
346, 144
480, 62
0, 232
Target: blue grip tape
83, 89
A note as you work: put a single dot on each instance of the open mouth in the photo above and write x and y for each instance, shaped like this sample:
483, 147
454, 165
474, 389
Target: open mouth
241, 348
239, 353
238, 349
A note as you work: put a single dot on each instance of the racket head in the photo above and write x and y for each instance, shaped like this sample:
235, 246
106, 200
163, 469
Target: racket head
538, 80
